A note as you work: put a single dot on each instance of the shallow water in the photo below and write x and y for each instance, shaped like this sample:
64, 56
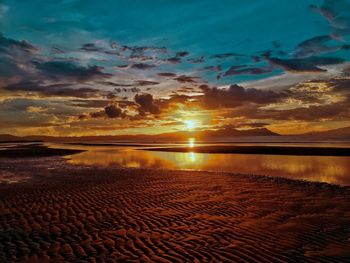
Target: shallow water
330, 169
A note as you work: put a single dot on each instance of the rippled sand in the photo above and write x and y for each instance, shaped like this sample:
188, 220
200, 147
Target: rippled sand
63, 212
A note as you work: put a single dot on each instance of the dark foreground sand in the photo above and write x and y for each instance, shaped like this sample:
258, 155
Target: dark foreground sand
69, 213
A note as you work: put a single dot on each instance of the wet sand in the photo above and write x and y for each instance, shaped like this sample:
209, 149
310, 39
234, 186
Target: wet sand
270, 150
60, 212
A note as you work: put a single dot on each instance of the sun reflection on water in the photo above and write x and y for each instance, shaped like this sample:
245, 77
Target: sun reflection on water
316, 168
192, 156
191, 142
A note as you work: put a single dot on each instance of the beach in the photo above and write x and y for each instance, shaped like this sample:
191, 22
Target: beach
57, 212
174, 131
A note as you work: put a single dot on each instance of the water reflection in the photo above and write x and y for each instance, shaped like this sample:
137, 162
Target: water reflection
191, 142
315, 168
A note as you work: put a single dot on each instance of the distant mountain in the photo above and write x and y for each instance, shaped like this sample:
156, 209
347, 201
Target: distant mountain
232, 132
226, 132
341, 133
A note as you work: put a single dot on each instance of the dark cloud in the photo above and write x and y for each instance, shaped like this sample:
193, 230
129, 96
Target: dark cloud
339, 85
243, 70
112, 111
115, 84
177, 58
173, 60
310, 64
8, 46
226, 55
213, 68
58, 90
91, 47
315, 104
166, 74
236, 95
312, 113
70, 70
186, 89
186, 79
196, 60
313, 46
125, 66
147, 104
13, 55
138, 53
142, 66
182, 54
146, 83
9, 69
135, 83
126, 90
140, 49
337, 12
125, 52
58, 50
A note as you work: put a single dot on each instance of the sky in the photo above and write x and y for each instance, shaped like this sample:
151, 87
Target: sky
81, 67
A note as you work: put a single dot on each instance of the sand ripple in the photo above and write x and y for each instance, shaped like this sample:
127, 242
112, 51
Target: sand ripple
85, 214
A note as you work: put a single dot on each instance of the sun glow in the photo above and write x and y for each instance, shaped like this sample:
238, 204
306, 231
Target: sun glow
190, 124
191, 142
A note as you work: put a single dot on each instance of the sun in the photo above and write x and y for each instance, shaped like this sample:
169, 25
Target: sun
190, 124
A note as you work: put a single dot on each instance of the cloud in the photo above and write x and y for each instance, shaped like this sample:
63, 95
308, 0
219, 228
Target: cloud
312, 113
10, 46
236, 95
226, 55
142, 66
310, 64
90, 103
54, 90
166, 74
311, 101
196, 60
147, 104
173, 60
146, 83
186, 79
339, 84
15, 59
112, 111
70, 71
243, 70
315, 46
115, 84
337, 12
91, 47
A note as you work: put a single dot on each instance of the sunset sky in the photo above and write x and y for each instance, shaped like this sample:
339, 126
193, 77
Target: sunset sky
81, 67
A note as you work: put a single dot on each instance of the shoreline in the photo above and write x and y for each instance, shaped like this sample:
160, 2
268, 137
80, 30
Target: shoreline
264, 150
